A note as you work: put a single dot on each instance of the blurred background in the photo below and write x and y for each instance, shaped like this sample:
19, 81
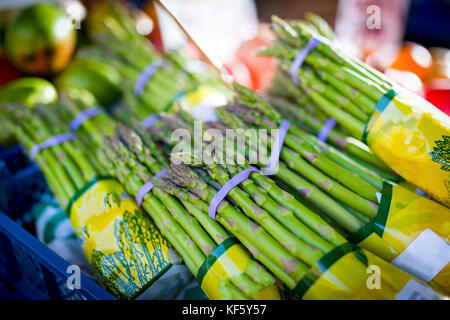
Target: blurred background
407, 39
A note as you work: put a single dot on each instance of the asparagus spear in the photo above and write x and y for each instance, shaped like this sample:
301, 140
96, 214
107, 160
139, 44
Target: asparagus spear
186, 221
50, 171
283, 215
298, 164
321, 25
217, 232
21, 115
307, 190
73, 148
236, 222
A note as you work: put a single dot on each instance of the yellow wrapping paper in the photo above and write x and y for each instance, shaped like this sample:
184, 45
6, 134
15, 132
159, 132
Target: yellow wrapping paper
402, 216
351, 273
198, 101
413, 138
120, 242
228, 260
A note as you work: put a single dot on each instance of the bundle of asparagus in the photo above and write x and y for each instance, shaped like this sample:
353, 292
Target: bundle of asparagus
66, 171
354, 197
289, 248
194, 236
402, 129
286, 236
295, 239
292, 104
311, 118
152, 82
121, 243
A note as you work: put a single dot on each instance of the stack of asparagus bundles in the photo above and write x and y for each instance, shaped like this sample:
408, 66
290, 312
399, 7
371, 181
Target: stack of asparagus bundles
152, 82
178, 204
290, 101
122, 244
375, 214
222, 266
293, 104
297, 245
404, 130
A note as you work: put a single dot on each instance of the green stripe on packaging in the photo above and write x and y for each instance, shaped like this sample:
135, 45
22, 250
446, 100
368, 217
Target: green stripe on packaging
380, 106
325, 263
83, 189
153, 280
378, 223
362, 233
383, 210
398, 179
214, 256
50, 228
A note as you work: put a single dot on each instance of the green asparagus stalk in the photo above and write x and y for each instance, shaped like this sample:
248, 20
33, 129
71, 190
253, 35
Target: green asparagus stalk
72, 148
50, 171
236, 222
22, 115
186, 221
312, 81
295, 162
283, 215
253, 271
308, 190
302, 213
320, 24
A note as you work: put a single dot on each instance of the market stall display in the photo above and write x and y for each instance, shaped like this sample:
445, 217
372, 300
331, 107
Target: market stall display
400, 127
165, 170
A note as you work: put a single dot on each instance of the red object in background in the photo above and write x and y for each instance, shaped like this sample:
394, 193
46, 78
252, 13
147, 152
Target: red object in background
240, 72
9, 72
438, 93
236, 68
261, 68
245, 66
414, 58
155, 36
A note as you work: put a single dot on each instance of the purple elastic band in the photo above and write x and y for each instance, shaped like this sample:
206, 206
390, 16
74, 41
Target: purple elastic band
148, 122
145, 75
276, 148
146, 188
227, 187
300, 58
326, 129
50, 142
83, 116
244, 174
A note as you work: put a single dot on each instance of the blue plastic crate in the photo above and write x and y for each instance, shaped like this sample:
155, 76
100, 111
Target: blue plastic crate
29, 269
29, 185
5, 187
14, 158
22, 181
